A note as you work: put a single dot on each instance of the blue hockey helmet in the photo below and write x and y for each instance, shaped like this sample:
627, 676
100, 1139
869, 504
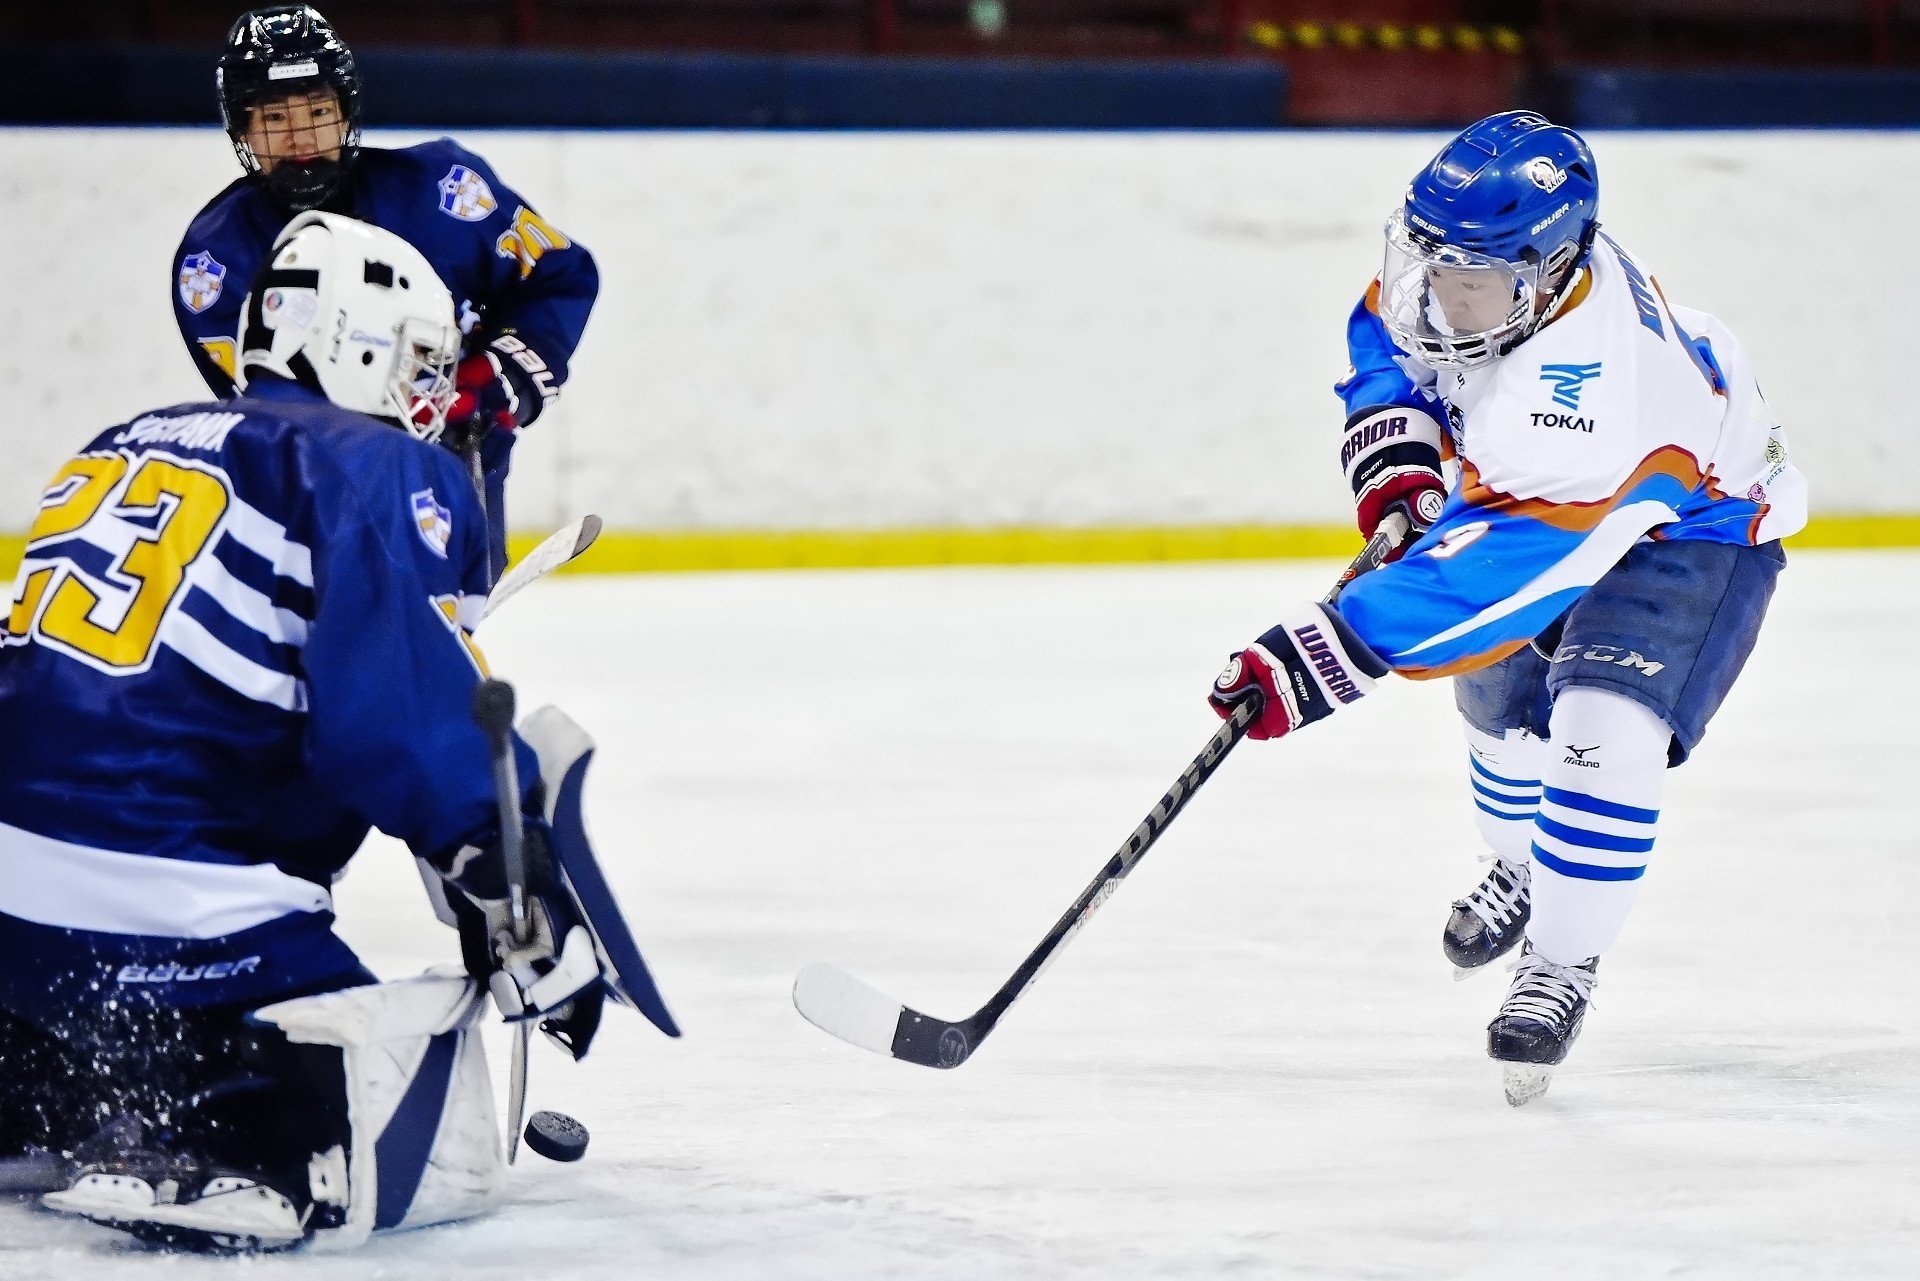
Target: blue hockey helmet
1485, 243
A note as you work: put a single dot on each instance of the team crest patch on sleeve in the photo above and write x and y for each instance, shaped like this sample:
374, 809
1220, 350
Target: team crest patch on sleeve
434, 522
201, 278
465, 195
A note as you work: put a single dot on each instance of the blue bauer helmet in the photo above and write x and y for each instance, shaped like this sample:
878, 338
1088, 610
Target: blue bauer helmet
1478, 256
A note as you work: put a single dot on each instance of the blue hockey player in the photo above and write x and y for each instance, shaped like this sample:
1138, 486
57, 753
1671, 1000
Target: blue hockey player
290, 95
241, 638
1594, 573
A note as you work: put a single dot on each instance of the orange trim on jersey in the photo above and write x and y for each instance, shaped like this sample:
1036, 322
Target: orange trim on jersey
1460, 666
1372, 298
1580, 518
1581, 288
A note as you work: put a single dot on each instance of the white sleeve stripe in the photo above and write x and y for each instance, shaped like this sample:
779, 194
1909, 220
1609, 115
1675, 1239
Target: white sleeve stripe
187, 638
78, 887
268, 539
247, 605
1581, 567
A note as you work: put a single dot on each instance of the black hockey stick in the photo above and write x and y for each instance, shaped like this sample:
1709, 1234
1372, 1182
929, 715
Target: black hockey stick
493, 710
844, 1006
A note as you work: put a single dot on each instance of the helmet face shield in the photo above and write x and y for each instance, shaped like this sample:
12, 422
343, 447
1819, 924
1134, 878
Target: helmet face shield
421, 388
1453, 308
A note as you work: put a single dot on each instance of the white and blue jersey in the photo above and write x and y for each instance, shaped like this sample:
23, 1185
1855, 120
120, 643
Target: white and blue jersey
238, 640
1623, 418
509, 269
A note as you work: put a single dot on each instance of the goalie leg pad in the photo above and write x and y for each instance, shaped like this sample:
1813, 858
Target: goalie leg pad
425, 1145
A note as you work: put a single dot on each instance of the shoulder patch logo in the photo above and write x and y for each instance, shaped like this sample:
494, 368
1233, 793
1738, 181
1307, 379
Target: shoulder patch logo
1568, 381
434, 522
465, 195
201, 279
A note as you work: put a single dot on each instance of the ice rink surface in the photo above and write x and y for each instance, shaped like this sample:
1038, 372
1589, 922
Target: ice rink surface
1254, 1063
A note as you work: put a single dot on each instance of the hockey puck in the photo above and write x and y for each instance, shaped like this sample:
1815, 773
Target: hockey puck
556, 1136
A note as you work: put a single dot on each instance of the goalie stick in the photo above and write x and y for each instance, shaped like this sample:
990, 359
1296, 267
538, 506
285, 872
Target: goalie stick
555, 550
841, 1005
493, 712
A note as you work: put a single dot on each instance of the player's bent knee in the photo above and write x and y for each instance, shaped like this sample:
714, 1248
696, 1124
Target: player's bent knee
1631, 730
424, 1144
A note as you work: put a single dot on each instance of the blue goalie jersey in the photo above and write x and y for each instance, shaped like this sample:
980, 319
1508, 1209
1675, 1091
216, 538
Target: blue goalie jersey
239, 639
510, 270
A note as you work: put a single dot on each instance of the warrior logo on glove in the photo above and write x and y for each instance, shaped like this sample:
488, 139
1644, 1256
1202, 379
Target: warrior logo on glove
1303, 669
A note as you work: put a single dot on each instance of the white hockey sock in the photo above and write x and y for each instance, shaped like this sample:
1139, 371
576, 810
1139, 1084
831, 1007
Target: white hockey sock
1505, 773
1600, 803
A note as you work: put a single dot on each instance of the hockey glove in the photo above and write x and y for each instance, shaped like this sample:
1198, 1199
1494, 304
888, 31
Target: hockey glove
1392, 459
554, 973
503, 386
1306, 668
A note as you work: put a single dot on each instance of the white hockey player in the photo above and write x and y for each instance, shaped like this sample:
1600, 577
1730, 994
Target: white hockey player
1594, 574
239, 640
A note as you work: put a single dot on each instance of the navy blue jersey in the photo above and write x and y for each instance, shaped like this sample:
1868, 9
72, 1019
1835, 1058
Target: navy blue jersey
510, 271
239, 638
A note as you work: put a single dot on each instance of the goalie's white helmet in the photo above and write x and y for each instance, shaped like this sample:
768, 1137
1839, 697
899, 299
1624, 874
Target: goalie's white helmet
358, 315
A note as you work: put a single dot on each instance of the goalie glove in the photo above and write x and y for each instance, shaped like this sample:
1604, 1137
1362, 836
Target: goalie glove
554, 973
1305, 669
1391, 455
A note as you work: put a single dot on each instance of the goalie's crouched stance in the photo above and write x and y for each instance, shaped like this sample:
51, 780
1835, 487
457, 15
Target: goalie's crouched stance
239, 641
342, 1113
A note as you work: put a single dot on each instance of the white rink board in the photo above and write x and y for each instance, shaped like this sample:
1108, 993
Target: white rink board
883, 330
1253, 1065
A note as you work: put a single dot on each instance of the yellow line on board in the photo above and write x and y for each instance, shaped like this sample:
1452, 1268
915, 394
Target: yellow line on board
634, 551
681, 551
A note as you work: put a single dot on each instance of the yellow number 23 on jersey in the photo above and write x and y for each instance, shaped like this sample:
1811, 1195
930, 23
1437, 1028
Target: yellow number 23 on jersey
157, 514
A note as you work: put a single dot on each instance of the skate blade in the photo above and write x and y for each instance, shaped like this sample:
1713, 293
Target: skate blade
1526, 1082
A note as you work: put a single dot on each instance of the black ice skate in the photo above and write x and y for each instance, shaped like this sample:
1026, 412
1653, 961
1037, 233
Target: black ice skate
176, 1202
1487, 923
1537, 1023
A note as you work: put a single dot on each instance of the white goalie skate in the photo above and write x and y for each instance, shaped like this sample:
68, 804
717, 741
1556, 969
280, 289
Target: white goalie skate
176, 1203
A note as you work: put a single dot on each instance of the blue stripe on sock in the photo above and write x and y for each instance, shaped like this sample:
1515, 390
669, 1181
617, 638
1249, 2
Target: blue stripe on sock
1530, 799
1594, 840
1605, 809
1527, 817
1492, 777
1586, 871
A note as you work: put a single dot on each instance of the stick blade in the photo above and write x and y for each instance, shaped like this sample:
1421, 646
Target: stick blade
841, 1005
556, 549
